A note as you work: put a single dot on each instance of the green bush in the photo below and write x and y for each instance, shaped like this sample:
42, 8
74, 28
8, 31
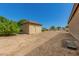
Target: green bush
8, 27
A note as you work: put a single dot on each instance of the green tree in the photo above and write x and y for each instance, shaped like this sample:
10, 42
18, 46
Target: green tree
66, 26
52, 28
44, 29
8, 27
21, 21
58, 28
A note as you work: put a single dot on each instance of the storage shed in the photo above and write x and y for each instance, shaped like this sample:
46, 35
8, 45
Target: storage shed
31, 27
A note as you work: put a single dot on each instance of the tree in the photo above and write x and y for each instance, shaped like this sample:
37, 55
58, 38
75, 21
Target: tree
44, 29
8, 27
3, 19
52, 28
21, 21
66, 26
58, 28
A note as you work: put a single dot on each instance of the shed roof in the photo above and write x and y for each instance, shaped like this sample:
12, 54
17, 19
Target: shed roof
32, 22
75, 6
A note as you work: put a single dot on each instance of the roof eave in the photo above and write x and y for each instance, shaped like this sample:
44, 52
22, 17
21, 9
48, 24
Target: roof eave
73, 12
31, 23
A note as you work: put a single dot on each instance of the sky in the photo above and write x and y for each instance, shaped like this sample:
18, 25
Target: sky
47, 14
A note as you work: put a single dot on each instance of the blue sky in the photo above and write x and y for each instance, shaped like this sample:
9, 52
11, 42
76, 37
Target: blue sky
52, 14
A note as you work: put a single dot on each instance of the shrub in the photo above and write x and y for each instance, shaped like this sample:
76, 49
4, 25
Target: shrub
8, 27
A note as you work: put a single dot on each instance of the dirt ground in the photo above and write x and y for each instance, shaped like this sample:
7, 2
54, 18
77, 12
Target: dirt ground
43, 44
54, 47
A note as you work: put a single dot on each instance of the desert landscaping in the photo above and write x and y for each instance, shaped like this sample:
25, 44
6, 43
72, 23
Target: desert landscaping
25, 37
45, 43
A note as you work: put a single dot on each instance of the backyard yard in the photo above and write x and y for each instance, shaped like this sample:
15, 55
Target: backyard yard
45, 43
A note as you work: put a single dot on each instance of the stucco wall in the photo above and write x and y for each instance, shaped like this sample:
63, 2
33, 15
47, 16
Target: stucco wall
38, 29
25, 28
74, 25
33, 29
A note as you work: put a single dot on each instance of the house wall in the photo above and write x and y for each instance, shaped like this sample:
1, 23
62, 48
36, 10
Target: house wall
33, 29
38, 29
74, 24
25, 28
